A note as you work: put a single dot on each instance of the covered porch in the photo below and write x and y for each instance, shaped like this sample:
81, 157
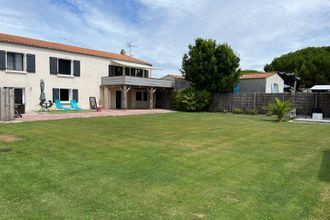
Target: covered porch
127, 92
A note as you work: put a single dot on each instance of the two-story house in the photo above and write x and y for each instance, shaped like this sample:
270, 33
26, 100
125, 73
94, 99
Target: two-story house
118, 81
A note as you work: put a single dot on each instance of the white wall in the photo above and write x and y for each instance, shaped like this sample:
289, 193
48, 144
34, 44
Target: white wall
91, 70
272, 80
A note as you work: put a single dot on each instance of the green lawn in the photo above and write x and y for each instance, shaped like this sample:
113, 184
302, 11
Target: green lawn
172, 166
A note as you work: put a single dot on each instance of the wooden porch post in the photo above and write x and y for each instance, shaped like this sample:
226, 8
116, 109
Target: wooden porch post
151, 100
124, 91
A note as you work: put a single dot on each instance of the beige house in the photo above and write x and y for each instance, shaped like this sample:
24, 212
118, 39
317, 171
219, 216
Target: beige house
117, 81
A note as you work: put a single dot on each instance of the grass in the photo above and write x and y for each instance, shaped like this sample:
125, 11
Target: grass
172, 166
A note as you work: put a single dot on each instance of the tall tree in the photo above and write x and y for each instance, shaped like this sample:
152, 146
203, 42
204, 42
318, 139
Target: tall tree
211, 66
311, 64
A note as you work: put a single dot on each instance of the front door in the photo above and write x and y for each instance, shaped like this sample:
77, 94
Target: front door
118, 99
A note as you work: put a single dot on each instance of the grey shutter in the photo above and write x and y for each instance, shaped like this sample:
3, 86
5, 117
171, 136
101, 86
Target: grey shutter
146, 73
75, 95
56, 94
53, 65
2, 60
30, 63
76, 68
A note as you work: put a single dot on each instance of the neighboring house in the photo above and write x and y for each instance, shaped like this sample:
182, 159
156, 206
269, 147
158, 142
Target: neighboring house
70, 72
260, 82
179, 81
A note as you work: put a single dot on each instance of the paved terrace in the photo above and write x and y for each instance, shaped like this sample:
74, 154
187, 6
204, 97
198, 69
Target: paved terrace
46, 116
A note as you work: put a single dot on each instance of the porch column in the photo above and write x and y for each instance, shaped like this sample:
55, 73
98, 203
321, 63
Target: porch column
124, 90
106, 98
151, 100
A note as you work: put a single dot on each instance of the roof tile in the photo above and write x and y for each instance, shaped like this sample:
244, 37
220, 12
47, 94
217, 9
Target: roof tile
66, 48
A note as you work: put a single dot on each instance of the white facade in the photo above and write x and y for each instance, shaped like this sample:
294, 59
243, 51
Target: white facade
274, 84
92, 69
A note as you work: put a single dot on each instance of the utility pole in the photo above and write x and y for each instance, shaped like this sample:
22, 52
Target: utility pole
130, 45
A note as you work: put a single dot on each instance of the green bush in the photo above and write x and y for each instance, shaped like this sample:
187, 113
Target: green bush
250, 112
191, 99
238, 111
279, 108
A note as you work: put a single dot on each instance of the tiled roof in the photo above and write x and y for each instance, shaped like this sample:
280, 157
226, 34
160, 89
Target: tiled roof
62, 47
176, 76
256, 75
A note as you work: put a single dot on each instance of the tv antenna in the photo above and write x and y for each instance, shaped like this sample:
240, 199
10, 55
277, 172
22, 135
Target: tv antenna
130, 45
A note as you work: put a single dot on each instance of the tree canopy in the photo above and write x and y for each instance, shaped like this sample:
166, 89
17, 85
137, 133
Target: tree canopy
211, 66
311, 64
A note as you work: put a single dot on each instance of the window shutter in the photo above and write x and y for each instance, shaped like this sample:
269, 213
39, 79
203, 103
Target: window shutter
76, 68
75, 95
112, 70
56, 94
53, 65
2, 60
30, 63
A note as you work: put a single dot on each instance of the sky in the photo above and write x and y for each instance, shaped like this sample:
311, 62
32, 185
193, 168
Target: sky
257, 30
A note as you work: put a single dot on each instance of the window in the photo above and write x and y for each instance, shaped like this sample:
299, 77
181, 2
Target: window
132, 71
64, 67
118, 71
146, 73
127, 71
138, 96
141, 96
65, 95
15, 61
139, 73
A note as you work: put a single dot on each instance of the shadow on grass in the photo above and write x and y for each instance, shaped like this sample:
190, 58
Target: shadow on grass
324, 174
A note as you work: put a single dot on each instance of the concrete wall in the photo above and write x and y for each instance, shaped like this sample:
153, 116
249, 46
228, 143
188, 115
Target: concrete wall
92, 69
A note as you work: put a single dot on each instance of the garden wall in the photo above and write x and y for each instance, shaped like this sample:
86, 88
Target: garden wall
7, 104
303, 102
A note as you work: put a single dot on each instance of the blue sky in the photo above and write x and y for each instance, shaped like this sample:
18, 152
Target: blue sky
257, 30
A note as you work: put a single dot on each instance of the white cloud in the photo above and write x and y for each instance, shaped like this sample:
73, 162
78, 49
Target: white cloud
258, 30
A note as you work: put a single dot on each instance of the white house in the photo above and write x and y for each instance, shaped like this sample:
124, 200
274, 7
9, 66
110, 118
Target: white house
260, 82
70, 72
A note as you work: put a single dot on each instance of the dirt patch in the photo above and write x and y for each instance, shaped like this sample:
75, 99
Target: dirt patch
8, 138
5, 150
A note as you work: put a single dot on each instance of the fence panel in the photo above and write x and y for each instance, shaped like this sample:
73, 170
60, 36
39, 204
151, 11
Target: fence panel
7, 104
303, 102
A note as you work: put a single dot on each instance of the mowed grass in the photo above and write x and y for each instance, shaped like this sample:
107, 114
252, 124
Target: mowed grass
171, 166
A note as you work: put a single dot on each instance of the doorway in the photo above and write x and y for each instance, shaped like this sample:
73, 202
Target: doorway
118, 99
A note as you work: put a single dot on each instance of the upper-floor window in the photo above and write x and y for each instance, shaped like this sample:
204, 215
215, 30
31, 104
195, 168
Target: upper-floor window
128, 71
15, 61
64, 67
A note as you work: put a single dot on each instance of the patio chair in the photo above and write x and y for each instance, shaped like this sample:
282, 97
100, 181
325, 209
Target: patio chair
74, 105
59, 106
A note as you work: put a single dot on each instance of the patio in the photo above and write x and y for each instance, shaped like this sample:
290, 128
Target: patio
36, 116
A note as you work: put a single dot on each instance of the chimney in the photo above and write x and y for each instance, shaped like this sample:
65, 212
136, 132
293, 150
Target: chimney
122, 52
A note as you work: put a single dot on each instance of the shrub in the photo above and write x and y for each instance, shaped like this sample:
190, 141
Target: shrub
279, 108
238, 111
250, 112
191, 99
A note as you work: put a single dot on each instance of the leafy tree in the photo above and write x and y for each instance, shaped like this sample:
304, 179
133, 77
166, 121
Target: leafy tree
211, 66
279, 108
311, 64
191, 99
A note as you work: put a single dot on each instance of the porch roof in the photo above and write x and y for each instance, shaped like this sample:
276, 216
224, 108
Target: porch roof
136, 81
